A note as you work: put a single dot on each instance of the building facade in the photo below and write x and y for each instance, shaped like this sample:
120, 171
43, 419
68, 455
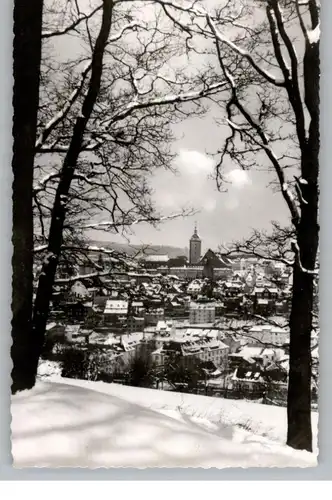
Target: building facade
202, 313
195, 248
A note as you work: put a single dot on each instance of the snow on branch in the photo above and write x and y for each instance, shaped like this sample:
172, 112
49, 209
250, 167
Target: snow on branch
298, 188
165, 100
130, 26
279, 82
296, 250
314, 35
311, 36
50, 126
263, 141
80, 277
41, 185
109, 224
292, 84
40, 248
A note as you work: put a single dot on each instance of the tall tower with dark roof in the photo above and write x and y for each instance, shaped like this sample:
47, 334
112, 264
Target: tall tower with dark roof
195, 247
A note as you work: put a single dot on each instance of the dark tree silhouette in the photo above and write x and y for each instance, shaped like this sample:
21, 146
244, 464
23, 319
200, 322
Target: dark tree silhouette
268, 52
26, 70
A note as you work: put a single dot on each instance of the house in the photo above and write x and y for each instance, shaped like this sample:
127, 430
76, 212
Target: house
202, 313
232, 289
75, 334
207, 349
249, 379
115, 311
153, 315
194, 287
55, 331
131, 341
79, 291
211, 262
135, 323
155, 261
76, 310
137, 307
264, 299
269, 334
179, 261
163, 328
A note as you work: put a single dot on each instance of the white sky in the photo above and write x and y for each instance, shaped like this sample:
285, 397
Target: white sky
222, 216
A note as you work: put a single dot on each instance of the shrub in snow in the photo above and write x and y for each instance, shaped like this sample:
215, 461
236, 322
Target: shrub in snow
75, 364
83, 364
52, 350
141, 372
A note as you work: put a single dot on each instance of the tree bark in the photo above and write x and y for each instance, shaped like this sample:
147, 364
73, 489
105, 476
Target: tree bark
49, 267
299, 434
26, 70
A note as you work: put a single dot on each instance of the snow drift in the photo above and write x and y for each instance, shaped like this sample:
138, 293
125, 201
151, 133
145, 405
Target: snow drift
82, 424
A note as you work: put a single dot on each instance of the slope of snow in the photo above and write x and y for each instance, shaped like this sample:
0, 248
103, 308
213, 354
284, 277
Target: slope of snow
264, 420
82, 424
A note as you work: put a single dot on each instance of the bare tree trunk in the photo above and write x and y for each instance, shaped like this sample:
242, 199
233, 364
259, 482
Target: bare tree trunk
299, 388
299, 432
26, 70
46, 280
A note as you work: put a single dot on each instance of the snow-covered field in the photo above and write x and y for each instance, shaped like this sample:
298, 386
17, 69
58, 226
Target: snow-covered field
75, 423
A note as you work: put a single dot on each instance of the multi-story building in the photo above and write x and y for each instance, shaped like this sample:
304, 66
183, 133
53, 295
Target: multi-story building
187, 272
269, 334
190, 349
153, 315
135, 323
155, 261
115, 311
195, 248
202, 313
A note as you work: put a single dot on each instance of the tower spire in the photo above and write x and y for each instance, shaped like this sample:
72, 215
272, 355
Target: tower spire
195, 247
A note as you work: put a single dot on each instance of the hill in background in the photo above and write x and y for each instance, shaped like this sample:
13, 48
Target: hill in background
147, 249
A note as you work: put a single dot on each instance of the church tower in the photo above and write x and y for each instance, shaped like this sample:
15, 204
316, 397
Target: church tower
195, 247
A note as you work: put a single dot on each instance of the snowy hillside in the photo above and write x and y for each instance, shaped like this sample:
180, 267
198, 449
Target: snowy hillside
91, 424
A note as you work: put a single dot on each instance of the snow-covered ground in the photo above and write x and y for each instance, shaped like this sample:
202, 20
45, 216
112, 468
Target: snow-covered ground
75, 423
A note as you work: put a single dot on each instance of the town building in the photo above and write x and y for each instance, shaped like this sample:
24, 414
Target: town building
202, 313
155, 261
153, 315
195, 248
269, 334
264, 299
115, 311
215, 266
189, 272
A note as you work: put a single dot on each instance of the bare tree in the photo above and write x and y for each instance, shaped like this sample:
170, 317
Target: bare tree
26, 69
268, 52
104, 126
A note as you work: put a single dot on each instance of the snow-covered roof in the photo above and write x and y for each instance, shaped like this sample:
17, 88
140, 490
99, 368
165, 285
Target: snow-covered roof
162, 325
156, 258
131, 340
250, 375
49, 326
72, 328
116, 307
205, 306
251, 352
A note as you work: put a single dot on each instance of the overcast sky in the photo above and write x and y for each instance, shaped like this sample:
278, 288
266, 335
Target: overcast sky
221, 216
